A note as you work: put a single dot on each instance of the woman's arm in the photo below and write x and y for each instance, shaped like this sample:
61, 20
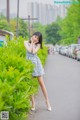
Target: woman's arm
35, 50
28, 48
32, 47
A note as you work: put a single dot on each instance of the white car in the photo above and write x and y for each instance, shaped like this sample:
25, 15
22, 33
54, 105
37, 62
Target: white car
78, 52
68, 51
65, 50
78, 55
71, 50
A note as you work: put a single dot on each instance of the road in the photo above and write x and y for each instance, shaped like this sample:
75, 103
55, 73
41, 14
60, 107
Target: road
62, 80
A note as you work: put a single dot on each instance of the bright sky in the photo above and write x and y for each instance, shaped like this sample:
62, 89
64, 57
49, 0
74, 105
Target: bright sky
23, 5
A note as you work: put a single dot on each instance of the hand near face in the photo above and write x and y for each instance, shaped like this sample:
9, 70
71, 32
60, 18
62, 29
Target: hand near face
34, 39
31, 40
35, 42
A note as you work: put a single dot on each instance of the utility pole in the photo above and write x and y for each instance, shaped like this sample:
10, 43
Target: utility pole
29, 19
8, 12
17, 24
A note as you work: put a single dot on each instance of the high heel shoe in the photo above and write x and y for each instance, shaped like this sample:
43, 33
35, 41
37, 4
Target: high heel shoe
49, 108
33, 108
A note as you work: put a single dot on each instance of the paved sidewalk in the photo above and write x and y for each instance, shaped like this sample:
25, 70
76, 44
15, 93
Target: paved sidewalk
62, 80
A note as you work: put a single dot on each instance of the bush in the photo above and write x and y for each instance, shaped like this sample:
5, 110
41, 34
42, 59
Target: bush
16, 83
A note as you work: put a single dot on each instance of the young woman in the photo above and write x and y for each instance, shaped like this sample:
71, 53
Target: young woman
32, 48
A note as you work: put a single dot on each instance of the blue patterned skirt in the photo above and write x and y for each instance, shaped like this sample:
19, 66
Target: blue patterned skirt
38, 69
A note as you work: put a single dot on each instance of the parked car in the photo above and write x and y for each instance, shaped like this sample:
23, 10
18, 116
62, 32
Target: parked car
77, 52
65, 50
57, 48
78, 55
71, 50
60, 49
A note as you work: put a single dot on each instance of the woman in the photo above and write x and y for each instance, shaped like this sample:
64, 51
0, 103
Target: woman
32, 48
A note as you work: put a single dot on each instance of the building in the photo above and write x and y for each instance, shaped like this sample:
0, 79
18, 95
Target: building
45, 10
62, 10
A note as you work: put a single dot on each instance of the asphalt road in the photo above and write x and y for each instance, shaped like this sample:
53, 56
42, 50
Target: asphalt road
62, 80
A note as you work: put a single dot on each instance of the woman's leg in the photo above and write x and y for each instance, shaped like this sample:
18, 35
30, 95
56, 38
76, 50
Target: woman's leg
42, 85
33, 102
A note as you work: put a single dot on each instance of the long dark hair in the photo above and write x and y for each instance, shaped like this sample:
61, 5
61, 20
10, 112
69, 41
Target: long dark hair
40, 38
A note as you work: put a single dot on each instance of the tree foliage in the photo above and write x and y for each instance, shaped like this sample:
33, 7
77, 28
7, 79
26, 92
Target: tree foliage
12, 26
70, 25
52, 35
41, 28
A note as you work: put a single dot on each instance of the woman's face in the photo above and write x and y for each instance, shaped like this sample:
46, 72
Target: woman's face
35, 39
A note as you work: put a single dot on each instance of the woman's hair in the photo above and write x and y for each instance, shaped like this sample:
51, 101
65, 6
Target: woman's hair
40, 38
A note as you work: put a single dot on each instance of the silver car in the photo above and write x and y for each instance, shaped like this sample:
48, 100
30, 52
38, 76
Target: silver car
78, 52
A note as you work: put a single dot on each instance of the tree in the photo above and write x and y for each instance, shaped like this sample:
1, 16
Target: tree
52, 35
23, 28
70, 25
12, 26
41, 28
4, 25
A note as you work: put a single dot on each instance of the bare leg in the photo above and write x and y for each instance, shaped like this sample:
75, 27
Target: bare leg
42, 85
33, 102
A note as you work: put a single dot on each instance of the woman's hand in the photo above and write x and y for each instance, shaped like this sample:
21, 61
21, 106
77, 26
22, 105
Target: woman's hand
32, 40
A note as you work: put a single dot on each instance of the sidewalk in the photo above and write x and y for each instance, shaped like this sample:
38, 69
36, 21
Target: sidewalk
62, 80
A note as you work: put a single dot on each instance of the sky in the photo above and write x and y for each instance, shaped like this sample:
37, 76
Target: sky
13, 2
22, 6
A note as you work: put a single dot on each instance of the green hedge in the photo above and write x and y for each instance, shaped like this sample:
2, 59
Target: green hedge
16, 83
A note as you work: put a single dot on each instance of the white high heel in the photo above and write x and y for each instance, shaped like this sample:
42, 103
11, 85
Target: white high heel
49, 108
33, 108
